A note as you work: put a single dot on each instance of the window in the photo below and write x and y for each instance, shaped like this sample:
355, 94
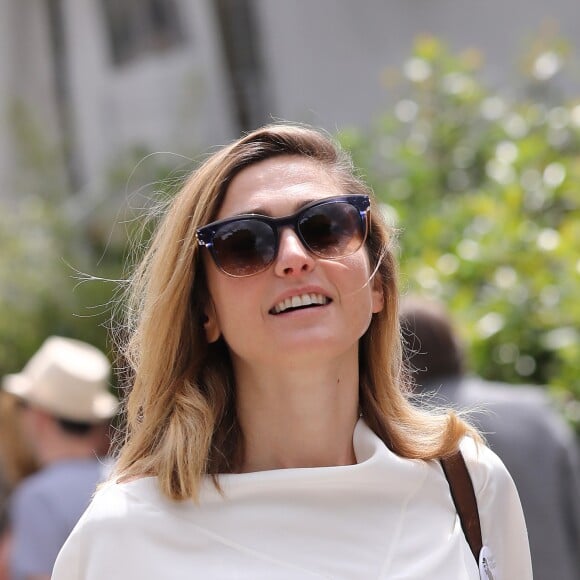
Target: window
137, 27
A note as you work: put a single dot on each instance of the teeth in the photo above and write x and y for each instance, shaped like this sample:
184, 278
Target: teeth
297, 301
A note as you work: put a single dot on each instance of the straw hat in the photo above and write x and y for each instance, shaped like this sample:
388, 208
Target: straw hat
67, 378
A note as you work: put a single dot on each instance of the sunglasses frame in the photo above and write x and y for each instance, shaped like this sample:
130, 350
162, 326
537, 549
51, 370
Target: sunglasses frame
360, 202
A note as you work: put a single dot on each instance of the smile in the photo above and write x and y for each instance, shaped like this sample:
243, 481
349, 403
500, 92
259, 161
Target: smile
302, 301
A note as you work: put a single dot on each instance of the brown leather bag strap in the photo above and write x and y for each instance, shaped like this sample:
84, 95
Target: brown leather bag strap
464, 499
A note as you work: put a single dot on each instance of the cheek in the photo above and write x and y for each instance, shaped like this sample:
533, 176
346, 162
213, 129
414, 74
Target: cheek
29, 428
27, 421
355, 274
357, 289
233, 301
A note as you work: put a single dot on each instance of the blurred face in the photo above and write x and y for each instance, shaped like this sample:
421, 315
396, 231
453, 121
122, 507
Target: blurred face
301, 308
30, 426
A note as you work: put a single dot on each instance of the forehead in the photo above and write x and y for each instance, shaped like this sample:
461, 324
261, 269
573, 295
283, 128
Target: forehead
278, 186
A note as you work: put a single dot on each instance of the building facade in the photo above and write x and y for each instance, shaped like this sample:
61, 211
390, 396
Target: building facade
99, 77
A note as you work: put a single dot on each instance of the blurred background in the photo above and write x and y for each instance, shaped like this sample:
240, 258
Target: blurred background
463, 115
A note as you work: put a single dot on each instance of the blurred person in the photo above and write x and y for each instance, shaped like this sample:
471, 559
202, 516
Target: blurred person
269, 434
4, 530
17, 457
520, 425
17, 461
64, 405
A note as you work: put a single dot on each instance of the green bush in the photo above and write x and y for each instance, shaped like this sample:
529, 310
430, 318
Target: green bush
63, 253
484, 187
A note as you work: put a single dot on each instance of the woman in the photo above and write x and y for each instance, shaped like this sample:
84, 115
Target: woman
269, 434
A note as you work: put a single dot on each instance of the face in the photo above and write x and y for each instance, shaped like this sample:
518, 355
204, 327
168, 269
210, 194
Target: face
245, 311
30, 421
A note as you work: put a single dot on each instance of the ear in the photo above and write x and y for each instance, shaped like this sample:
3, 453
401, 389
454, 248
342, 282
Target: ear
211, 324
378, 298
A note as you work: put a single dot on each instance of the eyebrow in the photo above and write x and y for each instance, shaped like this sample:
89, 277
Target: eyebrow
260, 210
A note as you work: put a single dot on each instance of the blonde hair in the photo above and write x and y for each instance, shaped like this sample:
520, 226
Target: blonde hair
17, 457
181, 419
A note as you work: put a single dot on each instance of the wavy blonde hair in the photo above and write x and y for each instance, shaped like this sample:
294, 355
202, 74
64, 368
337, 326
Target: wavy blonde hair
181, 421
17, 457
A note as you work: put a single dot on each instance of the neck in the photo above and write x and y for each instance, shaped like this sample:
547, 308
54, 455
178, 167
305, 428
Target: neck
294, 418
57, 446
67, 453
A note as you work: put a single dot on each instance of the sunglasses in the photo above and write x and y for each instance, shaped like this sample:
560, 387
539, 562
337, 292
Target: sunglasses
245, 245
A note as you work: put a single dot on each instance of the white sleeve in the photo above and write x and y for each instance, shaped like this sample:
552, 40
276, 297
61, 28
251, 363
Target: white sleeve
68, 565
503, 527
95, 546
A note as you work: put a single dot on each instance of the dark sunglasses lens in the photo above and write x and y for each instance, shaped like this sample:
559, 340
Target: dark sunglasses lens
244, 247
332, 230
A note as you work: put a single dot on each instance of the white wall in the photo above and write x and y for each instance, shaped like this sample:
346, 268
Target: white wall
324, 64
325, 58
172, 101
26, 77
5, 83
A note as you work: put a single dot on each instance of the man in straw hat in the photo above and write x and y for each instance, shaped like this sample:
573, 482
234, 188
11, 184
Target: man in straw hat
66, 406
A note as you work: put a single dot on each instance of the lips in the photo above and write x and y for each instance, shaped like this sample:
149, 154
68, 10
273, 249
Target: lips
298, 301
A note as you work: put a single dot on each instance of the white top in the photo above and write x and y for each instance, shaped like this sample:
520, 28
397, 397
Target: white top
385, 517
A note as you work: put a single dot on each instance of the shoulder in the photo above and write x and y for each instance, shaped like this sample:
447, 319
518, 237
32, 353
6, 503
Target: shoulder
503, 526
123, 508
58, 477
524, 399
519, 412
493, 483
114, 501
32, 492
487, 470
497, 496
119, 514
46, 489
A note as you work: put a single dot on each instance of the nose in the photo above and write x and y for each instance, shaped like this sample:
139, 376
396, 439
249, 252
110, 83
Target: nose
293, 258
